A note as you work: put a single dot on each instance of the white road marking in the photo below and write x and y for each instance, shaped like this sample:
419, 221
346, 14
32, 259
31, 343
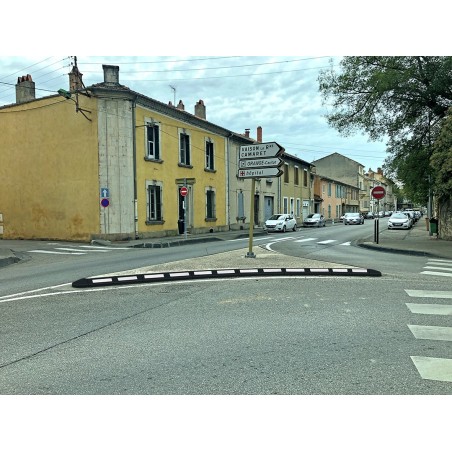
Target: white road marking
346, 243
433, 309
429, 293
442, 261
326, 241
438, 369
53, 252
306, 240
434, 333
437, 274
84, 251
447, 269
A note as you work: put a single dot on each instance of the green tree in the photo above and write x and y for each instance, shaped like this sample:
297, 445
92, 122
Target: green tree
401, 99
441, 160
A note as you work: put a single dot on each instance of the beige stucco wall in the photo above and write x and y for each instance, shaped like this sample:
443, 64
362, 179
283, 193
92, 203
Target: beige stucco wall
170, 174
48, 170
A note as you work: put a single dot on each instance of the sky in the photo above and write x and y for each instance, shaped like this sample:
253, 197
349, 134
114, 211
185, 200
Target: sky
278, 93
256, 67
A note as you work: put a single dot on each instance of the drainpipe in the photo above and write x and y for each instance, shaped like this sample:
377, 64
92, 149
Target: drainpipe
228, 185
134, 146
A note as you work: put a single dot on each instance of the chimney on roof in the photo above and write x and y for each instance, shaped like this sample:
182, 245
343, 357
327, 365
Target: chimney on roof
111, 74
25, 89
380, 171
200, 109
75, 79
259, 134
181, 106
247, 133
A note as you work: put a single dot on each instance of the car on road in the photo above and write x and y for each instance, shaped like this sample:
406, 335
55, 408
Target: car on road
400, 220
314, 220
369, 215
281, 222
353, 218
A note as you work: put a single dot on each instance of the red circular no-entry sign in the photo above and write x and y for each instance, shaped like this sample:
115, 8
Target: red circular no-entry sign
183, 191
378, 192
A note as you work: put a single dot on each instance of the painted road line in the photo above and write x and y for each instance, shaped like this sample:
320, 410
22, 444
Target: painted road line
430, 309
447, 269
346, 243
306, 240
438, 369
84, 251
103, 247
442, 261
52, 252
429, 293
437, 274
434, 333
326, 242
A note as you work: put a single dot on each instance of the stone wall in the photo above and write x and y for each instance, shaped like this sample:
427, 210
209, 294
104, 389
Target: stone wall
445, 219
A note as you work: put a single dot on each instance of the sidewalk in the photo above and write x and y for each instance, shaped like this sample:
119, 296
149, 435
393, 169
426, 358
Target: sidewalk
415, 241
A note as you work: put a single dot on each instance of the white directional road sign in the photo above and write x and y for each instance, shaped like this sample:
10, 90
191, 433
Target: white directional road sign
260, 150
261, 163
259, 172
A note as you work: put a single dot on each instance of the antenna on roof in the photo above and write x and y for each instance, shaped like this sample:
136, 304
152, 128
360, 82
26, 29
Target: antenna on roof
174, 91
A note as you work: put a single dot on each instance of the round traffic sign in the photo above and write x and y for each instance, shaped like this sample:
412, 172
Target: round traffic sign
105, 202
183, 191
378, 192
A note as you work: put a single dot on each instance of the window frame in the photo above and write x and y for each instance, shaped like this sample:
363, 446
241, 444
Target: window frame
156, 127
210, 155
211, 214
154, 195
184, 148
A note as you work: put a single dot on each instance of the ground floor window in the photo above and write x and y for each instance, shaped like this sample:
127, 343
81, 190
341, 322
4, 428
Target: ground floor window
210, 204
154, 202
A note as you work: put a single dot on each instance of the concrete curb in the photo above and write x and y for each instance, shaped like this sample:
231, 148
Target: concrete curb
222, 273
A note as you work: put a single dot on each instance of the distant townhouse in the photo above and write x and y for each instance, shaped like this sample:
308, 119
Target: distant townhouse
297, 187
346, 170
336, 198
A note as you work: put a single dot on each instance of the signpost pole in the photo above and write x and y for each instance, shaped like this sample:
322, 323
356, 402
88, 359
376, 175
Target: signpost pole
377, 232
185, 213
250, 241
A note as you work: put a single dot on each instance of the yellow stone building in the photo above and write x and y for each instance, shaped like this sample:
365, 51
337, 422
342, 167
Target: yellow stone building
106, 162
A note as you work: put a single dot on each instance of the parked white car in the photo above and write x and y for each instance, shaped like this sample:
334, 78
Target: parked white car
281, 222
400, 220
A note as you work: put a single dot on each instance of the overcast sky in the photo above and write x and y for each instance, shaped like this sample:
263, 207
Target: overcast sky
279, 93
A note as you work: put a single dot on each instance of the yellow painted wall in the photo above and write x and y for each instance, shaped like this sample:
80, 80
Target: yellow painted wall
49, 170
169, 172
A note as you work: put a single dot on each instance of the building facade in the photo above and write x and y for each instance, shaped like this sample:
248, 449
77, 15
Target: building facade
108, 162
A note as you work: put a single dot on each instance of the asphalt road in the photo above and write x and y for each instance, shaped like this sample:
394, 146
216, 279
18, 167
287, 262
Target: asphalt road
341, 335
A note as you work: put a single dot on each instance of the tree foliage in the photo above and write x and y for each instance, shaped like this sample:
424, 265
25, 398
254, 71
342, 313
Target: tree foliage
404, 99
441, 160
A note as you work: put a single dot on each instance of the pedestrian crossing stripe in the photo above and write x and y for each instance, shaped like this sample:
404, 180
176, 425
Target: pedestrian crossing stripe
438, 267
433, 333
79, 250
438, 369
433, 309
429, 368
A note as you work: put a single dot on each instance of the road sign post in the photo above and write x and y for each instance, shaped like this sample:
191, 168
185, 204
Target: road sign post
258, 160
378, 192
184, 192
